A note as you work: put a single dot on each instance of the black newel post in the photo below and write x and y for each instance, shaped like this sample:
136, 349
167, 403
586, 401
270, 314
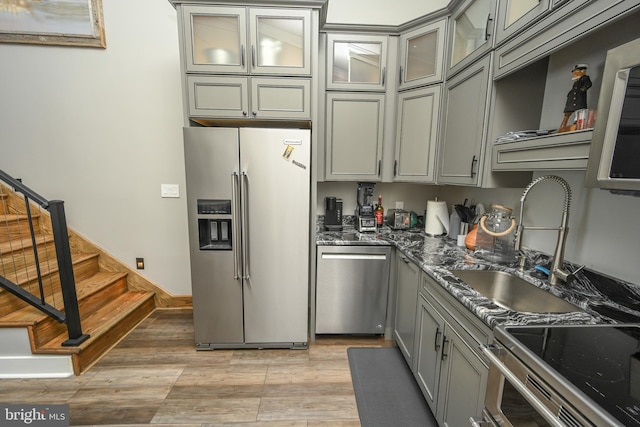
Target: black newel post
65, 266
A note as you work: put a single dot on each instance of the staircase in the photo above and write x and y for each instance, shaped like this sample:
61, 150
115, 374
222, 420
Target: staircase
112, 298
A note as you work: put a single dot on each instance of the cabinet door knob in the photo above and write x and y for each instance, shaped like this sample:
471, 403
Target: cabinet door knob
436, 344
473, 162
254, 113
384, 74
400, 75
242, 55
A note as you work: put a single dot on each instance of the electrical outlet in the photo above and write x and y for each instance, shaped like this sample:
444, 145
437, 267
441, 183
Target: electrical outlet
169, 190
399, 205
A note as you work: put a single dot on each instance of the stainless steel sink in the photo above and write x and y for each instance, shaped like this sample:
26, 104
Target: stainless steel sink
513, 293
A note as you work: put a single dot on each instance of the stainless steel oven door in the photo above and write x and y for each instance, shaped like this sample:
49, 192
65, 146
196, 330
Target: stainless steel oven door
517, 397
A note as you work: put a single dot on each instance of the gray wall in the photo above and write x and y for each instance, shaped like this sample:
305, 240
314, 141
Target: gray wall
101, 129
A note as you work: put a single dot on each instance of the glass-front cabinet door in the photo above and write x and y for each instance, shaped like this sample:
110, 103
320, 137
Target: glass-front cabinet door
280, 41
239, 40
356, 62
514, 15
470, 33
422, 50
215, 38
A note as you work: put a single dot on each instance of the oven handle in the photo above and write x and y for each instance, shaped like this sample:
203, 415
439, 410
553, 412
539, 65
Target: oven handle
521, 388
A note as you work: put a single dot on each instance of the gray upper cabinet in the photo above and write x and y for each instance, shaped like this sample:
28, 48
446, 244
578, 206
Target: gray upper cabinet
356, 62
515, 15
470, 33
354, 134
421, 55
568, 22
280, 41
236, 97
215, 39
464, 124
418, 111
240, 40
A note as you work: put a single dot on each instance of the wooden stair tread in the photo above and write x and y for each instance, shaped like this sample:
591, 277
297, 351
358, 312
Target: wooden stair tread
29, 315
99, 322
18, 244
47, 267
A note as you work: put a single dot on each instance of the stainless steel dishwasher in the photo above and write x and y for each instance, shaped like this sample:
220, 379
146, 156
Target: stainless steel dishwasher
352, 284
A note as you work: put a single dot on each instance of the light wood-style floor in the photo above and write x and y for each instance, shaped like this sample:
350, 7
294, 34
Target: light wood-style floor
156, 377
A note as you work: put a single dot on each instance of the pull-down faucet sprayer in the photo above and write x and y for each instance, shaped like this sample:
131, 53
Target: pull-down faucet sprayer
556, 272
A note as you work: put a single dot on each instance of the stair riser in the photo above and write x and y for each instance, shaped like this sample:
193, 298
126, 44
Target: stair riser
12, 228
85, 359
22, 257
51, 283
49, 328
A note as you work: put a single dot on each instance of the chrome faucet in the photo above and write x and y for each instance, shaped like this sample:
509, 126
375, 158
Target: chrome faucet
556, 273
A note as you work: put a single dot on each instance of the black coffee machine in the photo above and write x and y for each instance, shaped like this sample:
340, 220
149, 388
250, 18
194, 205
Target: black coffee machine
332, 214
365, 216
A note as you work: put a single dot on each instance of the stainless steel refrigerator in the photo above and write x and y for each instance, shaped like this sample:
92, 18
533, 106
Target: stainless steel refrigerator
248, 195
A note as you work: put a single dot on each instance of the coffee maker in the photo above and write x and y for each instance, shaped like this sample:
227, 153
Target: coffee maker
332, 214
365, 216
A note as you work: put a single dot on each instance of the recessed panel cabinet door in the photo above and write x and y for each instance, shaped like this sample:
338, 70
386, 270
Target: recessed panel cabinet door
218, 96
462, 384
408, 281
464, 125
354, 136
417, 135
430, 335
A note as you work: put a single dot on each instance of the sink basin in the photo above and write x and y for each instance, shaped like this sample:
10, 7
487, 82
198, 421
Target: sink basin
513, 293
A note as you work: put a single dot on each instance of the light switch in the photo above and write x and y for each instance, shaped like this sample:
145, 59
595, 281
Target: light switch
169, 190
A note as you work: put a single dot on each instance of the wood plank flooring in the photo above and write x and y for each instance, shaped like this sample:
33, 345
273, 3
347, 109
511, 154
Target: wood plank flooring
156, 377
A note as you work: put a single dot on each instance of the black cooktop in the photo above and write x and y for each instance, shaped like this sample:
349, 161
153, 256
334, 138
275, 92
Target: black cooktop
603, 361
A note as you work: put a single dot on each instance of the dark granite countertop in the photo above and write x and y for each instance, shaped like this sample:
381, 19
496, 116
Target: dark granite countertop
603, 299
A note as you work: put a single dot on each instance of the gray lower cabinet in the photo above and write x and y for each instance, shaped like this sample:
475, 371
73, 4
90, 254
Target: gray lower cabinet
429, 335
354, 136
417, 135
446, 360
249, 97
407, 283
464, 125
450, 368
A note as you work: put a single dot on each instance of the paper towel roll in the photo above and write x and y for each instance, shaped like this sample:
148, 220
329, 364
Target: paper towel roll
437, 221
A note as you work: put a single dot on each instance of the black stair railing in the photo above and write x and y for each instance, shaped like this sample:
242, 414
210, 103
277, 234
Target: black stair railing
71, 314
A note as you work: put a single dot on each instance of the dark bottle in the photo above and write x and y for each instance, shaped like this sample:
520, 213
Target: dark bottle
379, 212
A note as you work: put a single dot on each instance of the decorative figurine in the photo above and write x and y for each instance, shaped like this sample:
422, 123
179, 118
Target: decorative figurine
577, 96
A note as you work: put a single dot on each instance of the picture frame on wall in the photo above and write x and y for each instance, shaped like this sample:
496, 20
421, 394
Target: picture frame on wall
53, 22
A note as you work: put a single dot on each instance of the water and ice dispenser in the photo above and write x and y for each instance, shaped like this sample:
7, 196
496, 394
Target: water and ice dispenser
215, 225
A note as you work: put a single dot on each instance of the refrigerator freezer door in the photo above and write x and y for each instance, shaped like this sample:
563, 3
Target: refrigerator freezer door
277, 165
211, 157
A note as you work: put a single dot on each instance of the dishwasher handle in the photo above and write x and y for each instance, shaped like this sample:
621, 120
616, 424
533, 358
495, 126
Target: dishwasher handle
354, 256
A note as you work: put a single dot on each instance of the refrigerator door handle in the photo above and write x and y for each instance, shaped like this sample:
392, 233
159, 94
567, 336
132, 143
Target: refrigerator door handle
234, 219
244, 185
